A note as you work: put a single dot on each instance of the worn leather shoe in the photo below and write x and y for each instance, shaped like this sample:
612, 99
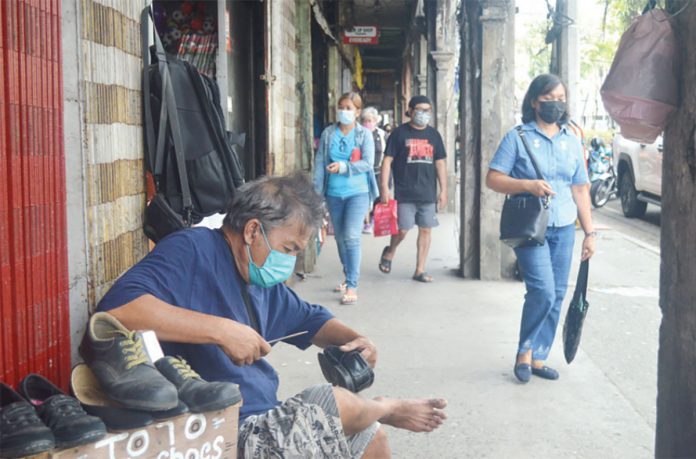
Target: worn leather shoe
21, 431
87, 390
118, 360
198, 394
349, 370
70, 425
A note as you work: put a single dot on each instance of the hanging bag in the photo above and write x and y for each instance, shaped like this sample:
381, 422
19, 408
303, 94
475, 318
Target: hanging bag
525, 217
577, 311
194, 165
385, 216
641, 88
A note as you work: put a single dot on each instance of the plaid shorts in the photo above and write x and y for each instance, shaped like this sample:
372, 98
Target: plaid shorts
305, 426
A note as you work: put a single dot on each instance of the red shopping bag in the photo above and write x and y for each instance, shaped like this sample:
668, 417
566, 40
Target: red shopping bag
385, 219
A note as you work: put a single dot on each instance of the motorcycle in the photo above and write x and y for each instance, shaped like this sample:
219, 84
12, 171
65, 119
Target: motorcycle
604, 182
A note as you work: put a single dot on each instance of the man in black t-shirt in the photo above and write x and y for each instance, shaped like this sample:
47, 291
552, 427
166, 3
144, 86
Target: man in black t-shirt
415, 155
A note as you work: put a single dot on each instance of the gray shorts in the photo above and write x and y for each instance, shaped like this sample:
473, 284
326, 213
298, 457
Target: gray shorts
416, 213
305, 426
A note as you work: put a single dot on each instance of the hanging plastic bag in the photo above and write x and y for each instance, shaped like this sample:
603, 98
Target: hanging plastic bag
385, 219
641, 89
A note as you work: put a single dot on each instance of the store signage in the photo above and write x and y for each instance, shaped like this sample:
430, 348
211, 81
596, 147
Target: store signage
361, 35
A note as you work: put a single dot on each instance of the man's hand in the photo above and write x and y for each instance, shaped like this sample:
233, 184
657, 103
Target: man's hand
365, 346
539, 188
442, 200
242, 344
384, 197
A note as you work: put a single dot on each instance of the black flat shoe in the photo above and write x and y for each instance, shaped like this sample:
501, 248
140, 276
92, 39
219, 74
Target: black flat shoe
545, 373
70, 425
523, 372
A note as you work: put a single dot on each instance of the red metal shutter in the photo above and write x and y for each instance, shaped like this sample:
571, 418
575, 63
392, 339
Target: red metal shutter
34, 309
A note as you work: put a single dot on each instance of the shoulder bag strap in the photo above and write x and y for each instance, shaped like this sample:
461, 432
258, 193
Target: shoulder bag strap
147, 105
583, 274
545, 200
168, 104
529, 152
253, 320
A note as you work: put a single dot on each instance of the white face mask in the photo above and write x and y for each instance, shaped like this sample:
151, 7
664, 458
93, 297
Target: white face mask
345, 117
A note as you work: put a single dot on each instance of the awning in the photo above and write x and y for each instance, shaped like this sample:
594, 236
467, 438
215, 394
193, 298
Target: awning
324, 25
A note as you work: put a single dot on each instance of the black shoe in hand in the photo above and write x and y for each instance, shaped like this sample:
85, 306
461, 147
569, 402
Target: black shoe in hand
21, 431
118, 360
70, 425
198, 394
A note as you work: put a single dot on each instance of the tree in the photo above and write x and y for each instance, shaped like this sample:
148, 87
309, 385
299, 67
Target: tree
676, 381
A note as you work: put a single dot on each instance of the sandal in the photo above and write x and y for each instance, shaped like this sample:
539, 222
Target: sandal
423, 277
341, 288
349, 299
384, 264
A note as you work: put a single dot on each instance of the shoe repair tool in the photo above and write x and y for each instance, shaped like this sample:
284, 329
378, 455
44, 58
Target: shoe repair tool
286, 337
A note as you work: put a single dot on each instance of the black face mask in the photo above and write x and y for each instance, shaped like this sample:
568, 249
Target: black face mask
551, 110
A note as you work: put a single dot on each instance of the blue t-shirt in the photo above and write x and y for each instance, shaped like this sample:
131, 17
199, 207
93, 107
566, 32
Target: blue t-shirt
560, 160
345, 186
194, 269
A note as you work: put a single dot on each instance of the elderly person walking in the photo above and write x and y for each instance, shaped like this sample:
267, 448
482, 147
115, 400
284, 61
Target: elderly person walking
370, 119
545, 268
344, 175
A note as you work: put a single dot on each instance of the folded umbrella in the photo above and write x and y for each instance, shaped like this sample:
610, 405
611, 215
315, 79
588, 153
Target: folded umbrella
575, 317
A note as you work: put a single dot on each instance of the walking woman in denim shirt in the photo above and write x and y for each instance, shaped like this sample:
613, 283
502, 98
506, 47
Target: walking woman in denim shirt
545, 268
344, 175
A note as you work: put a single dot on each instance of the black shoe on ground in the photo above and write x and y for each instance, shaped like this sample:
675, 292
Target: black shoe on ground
70, 425
21, 431
198, 394
118, 360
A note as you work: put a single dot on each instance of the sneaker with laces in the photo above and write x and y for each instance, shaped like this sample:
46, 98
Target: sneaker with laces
118, 360
21, 431
70, 425
91, 396
198, 394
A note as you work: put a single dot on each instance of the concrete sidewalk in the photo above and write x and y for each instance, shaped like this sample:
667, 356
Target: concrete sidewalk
457, 339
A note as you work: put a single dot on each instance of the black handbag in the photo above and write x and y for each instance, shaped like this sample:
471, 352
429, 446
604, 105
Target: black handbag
525, 217
346, 369
575, 317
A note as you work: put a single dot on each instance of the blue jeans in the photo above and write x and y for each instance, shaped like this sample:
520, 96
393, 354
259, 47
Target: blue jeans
545, 270
347, 216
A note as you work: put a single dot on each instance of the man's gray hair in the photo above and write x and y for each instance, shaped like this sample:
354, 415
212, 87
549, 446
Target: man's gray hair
275, 201
370, 112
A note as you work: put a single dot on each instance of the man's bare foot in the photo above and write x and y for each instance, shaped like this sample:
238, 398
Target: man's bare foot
419, 415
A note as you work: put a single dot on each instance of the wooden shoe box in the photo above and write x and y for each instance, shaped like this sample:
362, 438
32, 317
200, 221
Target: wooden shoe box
211, 435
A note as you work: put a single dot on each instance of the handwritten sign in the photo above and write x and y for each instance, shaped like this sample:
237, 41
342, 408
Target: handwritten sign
211, 435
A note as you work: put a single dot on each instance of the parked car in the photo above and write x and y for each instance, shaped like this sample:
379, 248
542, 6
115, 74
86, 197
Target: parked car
639, 172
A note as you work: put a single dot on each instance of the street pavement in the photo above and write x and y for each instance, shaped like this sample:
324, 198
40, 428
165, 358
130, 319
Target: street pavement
457, 338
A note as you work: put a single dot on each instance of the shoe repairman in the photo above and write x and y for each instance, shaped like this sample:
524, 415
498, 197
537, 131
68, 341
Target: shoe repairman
217, 298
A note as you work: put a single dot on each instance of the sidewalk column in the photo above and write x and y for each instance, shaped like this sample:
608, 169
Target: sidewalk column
444, 116
497, 89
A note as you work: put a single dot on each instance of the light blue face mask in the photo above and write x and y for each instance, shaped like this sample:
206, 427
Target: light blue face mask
345, 117
277, 268
421, 118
